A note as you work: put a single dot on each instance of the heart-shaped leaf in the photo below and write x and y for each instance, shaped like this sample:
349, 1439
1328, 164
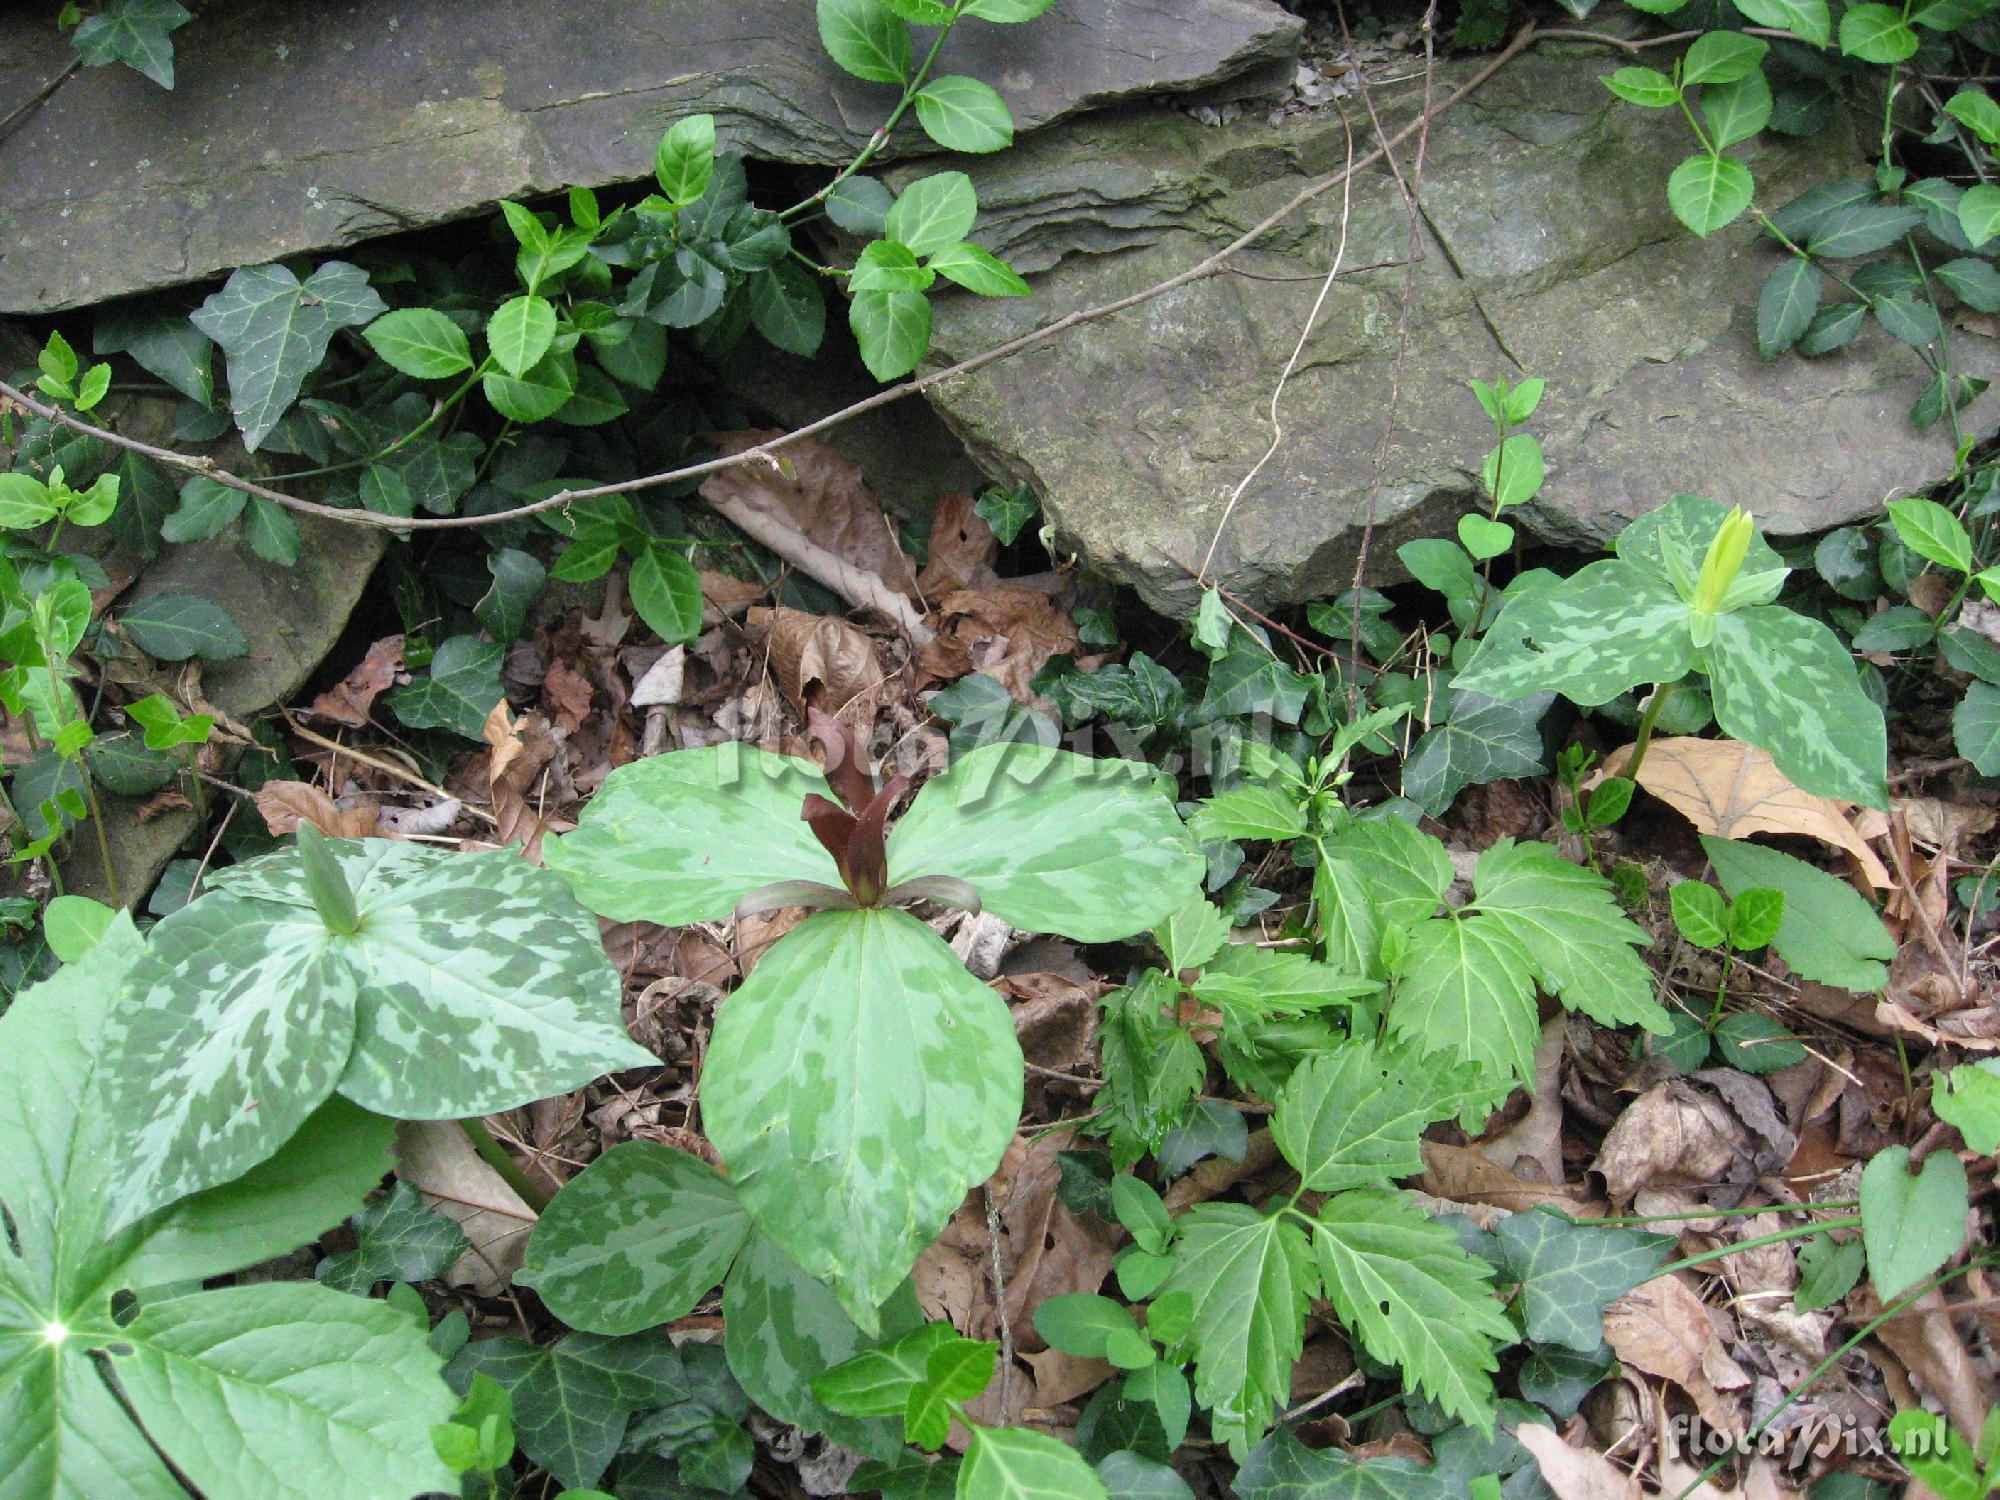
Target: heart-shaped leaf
1910, 1224
1484, 538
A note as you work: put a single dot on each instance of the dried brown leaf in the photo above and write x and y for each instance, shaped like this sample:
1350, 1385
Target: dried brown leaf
1664, 1329
350, 700
436, 1158
1575, 1473
820, 661
1673, 1135
823, 496
962, 548
285, 804
1007, 633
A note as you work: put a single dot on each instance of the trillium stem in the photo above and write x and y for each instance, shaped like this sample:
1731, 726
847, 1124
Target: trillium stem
1661, 692
495, 1156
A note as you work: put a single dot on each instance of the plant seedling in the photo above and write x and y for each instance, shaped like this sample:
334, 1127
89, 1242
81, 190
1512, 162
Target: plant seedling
1706, 918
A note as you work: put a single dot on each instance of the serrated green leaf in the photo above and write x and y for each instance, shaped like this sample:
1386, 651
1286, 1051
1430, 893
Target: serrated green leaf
273, 330
666, 593
537, 393
1013, 1463
1052, 841
787, 307
1829, 932
1876, 34
1569, 1273
421, 342
865, 38
849, 1179
893, 330
1911, 1223
1822, 730
397, 1238
978, 271
1977, 112
1932, 532
1250, 1277
1355, 1116
1193, 935
1808, 20
634, 1240
174, 627
1413, 1297
1786, 305
933, 213
1467, 990
683, 837
1151, 1067
1737, 110
520, 332
1569, 922
685, 162
459, 692
1254, 812
1646, 87
1722, 57
1700, 914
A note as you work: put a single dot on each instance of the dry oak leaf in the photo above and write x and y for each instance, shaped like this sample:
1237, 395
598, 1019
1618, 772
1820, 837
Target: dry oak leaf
1733, 790
351, 700
819, 493
1664, 1329
1007, 633
820, 661
286, 804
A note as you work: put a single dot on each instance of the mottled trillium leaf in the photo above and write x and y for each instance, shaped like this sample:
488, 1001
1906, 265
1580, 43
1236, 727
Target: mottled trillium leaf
1052, 841
849, 1177
236, 1386
683, 837
475, 983
1604, 629
1785, 683
635, 1240
274, 330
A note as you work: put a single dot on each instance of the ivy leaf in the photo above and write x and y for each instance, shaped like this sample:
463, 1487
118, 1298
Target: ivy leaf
163, 342
1131, 1476
1911, 1224
877, 1382
1251, 1277
1481, 740
1283, 1468
963, 114
421, 342
1013, 1463
1249, 680
573, 1400
463, 686
851, 1180
1354, 1116
397, 1238
1467, 989
1828, 932
273, 329
231, 1385
1568, 920
136, 33
1569, 1273
683, 837
1822, 729
174, 627
1413, 1297
1052, 841
474, 984
634, 1240
205, 509
517, 578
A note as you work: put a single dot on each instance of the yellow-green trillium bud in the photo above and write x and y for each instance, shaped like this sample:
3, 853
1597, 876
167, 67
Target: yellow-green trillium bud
1726, 551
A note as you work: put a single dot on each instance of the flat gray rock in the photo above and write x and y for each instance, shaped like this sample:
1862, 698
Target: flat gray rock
1549, 250
306, 126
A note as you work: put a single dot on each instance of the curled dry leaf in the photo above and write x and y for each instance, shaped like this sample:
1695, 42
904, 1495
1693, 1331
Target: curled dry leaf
518, 750
1935, 1355
350, 700
820, 661
286, 804
1531, 1147
724, 597
1679, 1135
436, 1158
962, 548
1007, 633
1733, 790
819, 493
1664, 1329
1464, 1174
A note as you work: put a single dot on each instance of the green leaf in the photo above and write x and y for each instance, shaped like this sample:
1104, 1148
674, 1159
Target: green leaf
1700, 914
73, 924
1786, 305
517, 579
1909, 321
1860, 229
1645, 87
1093, 1327
634, 1240
886, 266
1722, 57
25, 502
1006, 12
893, 330
1968, 1097
1513, 471
520, 332
274, 329
787, 307
1756, 1043
1569, 1273
683, 837
1413, 1297
1832, 328
1973, 282
1481, 740
1484, 539
877, 1382
205, 509
231, 1385
1250, 1277
1006, 511
1355, 1116
955, 1371
933, 213
1932, 532
865, 38
978, 271
163, 342
1283, 1468
1911, 1224
685, 162
134, 32
421, 342
1468, 990
1977, 112
666, 593
174, 627
573, 1400
463, 686
1131, 1476
1876, 34
1252, 812
1828, 1271
1012, 1463
536, 394
963, 114
1568, 921
1607, 628
849, 1179
1808, 20
1829, 932
397, 1238
1736, 111
1754, 918
1707, 192
1052, 841
1785, 683
473, 984
860, 205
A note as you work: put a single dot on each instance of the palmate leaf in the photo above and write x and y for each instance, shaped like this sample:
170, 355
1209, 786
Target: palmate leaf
683, 837
1413, 1297
137, 33
1569, 1273
1355, 1116
1052, 841
849, 1177
277, 1390
1481, 740
399, 1237
1566, 917
274, 329
1250, 1277
474, 984
1468, 990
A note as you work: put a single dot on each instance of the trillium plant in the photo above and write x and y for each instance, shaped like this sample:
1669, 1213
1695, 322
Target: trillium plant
860, 1081
1690, 590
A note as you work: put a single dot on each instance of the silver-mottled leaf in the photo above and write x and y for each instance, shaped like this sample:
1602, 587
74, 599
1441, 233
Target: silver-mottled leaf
1605, 629
1784, 683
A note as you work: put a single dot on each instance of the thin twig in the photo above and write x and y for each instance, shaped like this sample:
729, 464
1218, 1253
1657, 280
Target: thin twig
386, 767
1000, 1306
36, 100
